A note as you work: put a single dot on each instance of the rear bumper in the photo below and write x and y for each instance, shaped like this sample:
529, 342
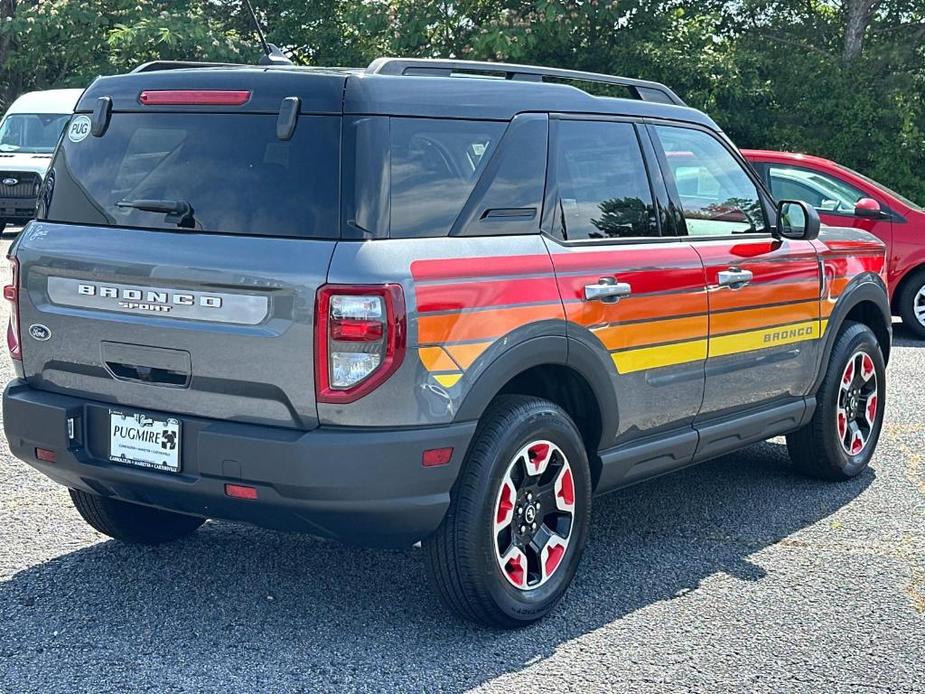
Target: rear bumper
363, 486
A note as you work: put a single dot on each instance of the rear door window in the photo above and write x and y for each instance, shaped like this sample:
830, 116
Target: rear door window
230, 171
603, 186
435, 165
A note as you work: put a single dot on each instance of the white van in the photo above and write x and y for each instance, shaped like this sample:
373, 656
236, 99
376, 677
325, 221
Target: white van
28, 134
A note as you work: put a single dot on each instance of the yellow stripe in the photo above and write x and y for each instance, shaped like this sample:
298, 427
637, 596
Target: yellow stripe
664, 355
448, 380
724, 345
824, 325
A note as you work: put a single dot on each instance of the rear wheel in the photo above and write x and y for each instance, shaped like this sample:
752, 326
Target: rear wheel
912, 304
518, 521
839, 441
131, 522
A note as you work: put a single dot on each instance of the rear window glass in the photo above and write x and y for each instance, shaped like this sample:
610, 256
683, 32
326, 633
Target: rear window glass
435, 164
226, 173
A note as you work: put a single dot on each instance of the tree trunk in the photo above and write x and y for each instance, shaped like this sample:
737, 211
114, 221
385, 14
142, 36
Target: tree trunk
858, 17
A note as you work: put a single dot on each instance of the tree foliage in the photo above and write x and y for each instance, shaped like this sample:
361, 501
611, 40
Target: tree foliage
839, 78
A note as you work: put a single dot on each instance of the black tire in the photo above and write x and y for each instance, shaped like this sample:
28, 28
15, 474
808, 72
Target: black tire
2, 225
462, 556
817, 450
911, 296
131, 522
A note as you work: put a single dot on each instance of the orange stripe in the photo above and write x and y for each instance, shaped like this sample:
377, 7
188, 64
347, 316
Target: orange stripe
755, 319
758, 294
837, 285
465, 355
458, 327
655, 332
435, 359
637, 308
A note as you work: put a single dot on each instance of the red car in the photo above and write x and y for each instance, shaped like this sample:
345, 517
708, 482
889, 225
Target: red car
846, 198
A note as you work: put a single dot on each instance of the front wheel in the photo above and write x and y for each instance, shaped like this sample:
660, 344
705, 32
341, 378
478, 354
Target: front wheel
912, 304
511, 541
839, 441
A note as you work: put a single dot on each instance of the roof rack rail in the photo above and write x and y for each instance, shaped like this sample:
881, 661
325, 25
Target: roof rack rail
643, 90
156, 65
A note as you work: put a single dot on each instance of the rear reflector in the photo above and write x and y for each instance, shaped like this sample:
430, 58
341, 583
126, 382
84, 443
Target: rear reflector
209, 97
239, 491
436, 456
45, 455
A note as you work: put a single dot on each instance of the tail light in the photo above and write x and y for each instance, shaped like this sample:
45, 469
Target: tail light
359, 339
11, 294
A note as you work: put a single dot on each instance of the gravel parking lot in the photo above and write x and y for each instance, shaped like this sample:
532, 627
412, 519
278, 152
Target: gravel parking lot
733, 576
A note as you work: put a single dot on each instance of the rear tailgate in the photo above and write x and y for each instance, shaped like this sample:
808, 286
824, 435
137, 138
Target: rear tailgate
193, 324
179, 247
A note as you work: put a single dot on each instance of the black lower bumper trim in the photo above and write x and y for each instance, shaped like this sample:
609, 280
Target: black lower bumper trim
363, 486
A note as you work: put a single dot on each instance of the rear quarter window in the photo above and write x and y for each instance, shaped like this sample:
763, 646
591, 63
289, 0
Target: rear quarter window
435, 164
231, 169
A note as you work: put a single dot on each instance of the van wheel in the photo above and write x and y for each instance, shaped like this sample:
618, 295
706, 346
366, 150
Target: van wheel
133, 523
839, 441
511, 541
912, 304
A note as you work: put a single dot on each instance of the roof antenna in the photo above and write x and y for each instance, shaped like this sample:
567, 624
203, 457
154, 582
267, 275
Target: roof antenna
272, 54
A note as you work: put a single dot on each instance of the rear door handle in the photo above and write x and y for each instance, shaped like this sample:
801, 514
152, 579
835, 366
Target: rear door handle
607, 290
735, 278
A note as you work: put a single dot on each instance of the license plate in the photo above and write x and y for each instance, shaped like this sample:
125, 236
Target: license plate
137, 439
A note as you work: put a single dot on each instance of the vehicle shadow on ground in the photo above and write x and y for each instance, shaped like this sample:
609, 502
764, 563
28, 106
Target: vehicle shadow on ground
235, 605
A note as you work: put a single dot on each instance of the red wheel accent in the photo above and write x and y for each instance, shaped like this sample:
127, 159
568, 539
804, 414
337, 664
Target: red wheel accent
505, 504
516, 571
538, 457
567, 491
872, 409
842, 425
857, 444
553, 557
849, 373
867, 367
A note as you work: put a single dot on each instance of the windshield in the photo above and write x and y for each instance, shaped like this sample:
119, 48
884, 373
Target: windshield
904, 200
32, 133
225, 173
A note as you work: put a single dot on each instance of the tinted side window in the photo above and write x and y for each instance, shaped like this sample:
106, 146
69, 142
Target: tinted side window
435, 164
825, 193
717, 196
602, 182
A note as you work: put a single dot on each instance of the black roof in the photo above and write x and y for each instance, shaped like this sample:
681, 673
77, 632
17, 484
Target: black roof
399, 87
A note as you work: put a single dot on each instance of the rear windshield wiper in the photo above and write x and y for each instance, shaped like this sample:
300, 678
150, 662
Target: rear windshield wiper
177, 211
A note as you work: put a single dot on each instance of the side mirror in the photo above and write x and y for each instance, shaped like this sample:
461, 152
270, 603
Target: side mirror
868, 207
797, 220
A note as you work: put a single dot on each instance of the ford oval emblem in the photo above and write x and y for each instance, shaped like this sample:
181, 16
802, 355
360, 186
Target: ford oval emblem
39, 332
10, 181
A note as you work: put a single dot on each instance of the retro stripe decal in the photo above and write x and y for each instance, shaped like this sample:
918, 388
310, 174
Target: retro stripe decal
465, 305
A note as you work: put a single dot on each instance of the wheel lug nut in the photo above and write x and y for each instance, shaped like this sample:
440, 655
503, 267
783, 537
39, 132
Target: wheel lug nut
520, 511
534, 526
537, 505
523, 529
529, 496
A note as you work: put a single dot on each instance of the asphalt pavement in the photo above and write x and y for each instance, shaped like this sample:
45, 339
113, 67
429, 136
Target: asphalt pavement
736, 575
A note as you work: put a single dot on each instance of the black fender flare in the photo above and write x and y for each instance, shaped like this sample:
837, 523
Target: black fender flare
555, 350
865, 287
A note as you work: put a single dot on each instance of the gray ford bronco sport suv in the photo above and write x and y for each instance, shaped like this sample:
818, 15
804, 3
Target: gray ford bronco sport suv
431, 301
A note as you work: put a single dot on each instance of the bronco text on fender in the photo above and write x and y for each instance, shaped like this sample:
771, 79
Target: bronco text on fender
395, 305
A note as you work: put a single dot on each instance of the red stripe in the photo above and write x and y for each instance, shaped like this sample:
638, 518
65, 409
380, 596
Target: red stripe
454, 268
642, 282
453, 297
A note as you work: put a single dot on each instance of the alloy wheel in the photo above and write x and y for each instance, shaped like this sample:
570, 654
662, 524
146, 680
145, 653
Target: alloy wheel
534, 515
858, 402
